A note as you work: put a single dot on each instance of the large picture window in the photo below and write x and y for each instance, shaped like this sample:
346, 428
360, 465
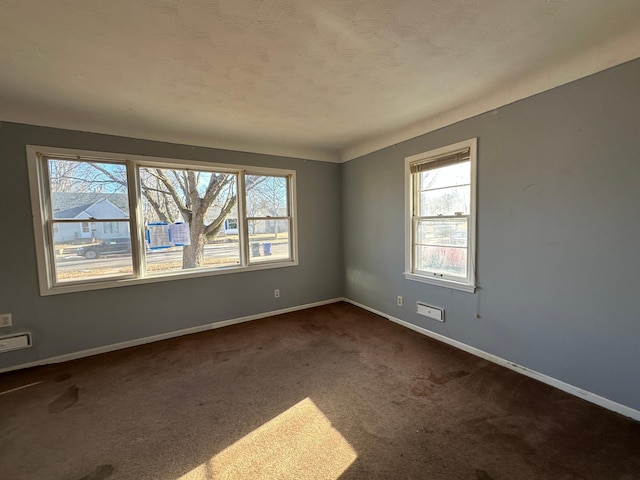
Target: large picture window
105, 220
441, 216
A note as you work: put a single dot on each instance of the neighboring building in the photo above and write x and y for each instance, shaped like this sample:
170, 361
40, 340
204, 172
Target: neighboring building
263, 226
230, 226
85, 229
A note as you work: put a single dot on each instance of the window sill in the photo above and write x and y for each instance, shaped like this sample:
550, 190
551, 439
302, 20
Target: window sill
465, 287
46, 290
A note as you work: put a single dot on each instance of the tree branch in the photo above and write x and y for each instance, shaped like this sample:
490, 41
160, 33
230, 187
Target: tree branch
106, 172
162, 213
174, 193
192, 192
214, 227
216, 184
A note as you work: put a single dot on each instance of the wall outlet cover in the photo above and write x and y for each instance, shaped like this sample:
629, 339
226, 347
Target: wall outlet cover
5, 320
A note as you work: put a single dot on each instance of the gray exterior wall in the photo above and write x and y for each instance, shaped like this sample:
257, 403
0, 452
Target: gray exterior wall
68, 323
558, 257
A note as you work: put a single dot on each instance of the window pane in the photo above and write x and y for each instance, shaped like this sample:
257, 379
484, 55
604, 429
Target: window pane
452, 175
216, 254
267, 196
91, 259
268, 240
450, 232
203, 200
83, 190
111, 228
446, 201
442, 260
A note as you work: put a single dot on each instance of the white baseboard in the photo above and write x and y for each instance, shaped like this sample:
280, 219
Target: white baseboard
163, 336
578, 392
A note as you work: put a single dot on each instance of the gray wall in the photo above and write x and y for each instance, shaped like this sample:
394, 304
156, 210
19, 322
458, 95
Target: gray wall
68, 323
558, 234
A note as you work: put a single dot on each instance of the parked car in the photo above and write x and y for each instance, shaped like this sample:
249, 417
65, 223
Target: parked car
106, 247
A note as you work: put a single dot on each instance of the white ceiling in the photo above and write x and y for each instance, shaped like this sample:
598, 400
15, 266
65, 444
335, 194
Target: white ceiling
318, 79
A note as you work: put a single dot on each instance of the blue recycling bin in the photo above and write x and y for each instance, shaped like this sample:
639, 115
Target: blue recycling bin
266, 247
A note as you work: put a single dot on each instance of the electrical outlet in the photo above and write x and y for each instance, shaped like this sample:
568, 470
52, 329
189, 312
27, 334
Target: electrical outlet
5, 320
276, 293
399, 301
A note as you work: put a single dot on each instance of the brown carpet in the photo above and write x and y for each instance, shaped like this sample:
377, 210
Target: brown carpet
328, 393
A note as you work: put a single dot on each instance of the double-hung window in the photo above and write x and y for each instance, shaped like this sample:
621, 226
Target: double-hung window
441, 216
103, 220
267, 210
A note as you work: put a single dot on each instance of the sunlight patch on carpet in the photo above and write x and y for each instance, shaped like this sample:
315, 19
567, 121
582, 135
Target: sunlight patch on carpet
300, 444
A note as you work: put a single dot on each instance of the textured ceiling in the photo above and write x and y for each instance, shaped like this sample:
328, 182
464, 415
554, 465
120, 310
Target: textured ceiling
318, 79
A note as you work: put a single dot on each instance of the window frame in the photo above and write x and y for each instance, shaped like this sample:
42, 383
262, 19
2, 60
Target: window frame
247, 219
43, 233
467, 284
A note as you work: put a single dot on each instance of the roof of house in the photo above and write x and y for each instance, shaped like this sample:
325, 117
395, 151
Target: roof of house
76, 210
71, 212
66, 203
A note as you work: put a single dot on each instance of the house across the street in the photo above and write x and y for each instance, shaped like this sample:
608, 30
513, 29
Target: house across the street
86, 229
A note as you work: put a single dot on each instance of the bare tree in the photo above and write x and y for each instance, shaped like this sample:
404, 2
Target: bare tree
268, 199
202, 199
191, 195
81, 182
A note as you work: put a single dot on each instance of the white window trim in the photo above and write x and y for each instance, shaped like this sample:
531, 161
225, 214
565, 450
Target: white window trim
44, 246
409, 274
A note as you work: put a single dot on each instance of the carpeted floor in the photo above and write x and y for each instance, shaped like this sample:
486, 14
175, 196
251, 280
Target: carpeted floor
332, 392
